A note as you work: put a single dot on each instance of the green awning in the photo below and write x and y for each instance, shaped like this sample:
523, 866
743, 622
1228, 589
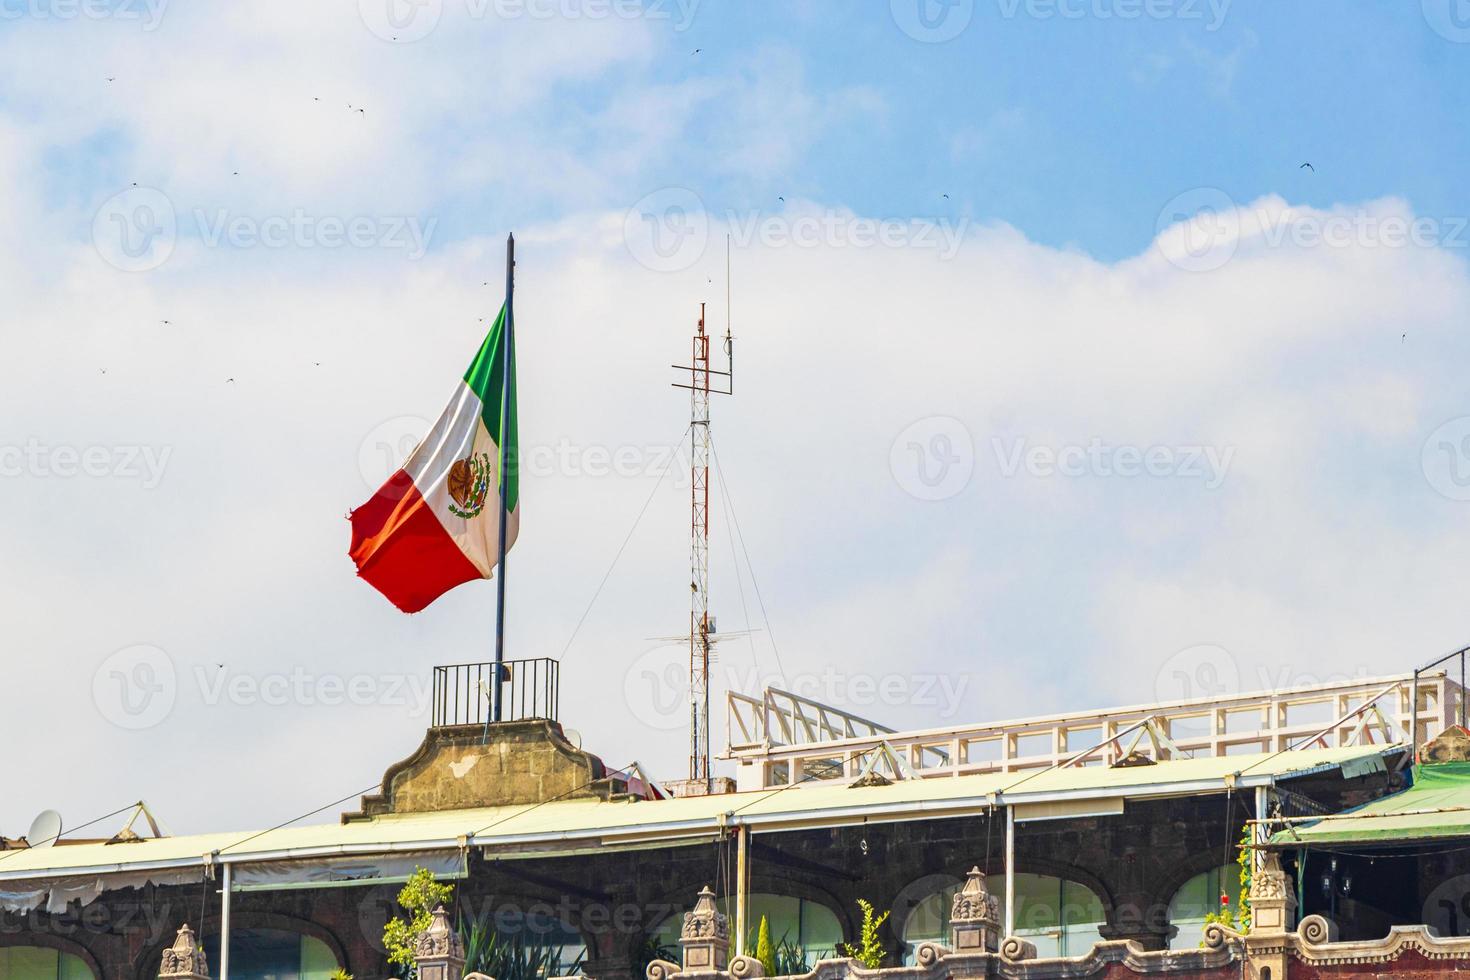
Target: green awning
1435, 807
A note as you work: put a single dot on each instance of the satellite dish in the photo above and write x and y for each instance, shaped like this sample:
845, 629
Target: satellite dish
44, 829
573, 736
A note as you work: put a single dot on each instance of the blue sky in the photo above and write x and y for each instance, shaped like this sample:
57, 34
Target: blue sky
936, 449
1074, 127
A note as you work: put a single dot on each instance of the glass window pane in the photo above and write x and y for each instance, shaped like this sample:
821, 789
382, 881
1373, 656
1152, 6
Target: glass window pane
74, 968
809, 927
1060, 917
1198, 897
30, 963
317, 961
41, 963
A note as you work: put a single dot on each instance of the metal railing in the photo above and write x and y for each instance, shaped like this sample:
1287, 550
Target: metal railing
528, 689
1426, 668
782, 718
788, 739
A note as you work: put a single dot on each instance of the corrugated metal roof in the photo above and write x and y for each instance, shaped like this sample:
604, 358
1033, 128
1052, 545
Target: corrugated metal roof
593, 823
1435, 807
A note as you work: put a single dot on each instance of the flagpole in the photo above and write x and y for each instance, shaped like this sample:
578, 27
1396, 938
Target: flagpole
507, 349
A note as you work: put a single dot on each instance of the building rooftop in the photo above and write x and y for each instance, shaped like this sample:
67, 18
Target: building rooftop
562, 826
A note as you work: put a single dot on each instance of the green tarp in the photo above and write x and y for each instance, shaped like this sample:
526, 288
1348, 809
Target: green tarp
1436, 806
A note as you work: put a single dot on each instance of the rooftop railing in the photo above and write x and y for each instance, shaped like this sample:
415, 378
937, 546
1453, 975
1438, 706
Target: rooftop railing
789, 739
529, 689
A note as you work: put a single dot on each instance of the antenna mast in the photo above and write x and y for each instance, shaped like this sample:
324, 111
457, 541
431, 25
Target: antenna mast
700, 625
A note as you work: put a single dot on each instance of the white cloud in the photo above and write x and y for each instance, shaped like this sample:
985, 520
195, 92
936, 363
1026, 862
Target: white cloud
1322, 368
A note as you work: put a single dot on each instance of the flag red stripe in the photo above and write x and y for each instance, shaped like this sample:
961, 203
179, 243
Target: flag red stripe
402, 550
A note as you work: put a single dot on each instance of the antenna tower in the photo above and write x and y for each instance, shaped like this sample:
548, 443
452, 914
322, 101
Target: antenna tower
701, 626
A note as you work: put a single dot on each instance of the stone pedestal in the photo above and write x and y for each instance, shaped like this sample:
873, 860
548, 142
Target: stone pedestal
184, 960
1272, 907
974, 918
440, 952
705, 938
1150, 937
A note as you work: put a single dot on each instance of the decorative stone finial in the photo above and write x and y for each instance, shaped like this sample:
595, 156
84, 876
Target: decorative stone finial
705, 937
1272, 901
439, 951
974, 918
1450, 745
184, 960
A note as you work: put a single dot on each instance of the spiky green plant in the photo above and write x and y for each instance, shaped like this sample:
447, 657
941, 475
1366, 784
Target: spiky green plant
488, 952
790, 959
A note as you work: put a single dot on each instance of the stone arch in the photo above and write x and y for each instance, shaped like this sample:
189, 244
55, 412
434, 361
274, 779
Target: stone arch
1183, 871
675, 901
1026, 864
1181, 874
925, 888
146, 965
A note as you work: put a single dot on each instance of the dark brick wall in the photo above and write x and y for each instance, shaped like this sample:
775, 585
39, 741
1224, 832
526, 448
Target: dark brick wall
1408, 966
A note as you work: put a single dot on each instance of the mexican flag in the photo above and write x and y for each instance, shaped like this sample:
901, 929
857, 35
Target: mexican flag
435, 523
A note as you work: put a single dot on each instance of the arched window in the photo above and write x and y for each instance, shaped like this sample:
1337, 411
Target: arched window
41, 963
1060, 917
273, 954
1198, 897
801, 931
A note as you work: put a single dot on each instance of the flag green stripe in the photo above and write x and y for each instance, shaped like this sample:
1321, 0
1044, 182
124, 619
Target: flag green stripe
486, 379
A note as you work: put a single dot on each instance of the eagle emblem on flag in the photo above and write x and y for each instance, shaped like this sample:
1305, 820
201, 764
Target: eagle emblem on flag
469, 485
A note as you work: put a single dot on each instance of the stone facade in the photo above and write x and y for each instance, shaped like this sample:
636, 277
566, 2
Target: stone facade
458, 767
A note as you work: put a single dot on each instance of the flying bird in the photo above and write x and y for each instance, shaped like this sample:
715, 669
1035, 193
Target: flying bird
111, 78
696, 51
1307, 166
779, 198
946, 197
229, 381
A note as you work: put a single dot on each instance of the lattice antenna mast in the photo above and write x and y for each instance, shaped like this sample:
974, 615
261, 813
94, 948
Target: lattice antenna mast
701, 386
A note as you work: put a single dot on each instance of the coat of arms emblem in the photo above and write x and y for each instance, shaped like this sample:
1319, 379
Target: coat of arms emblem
469, 485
